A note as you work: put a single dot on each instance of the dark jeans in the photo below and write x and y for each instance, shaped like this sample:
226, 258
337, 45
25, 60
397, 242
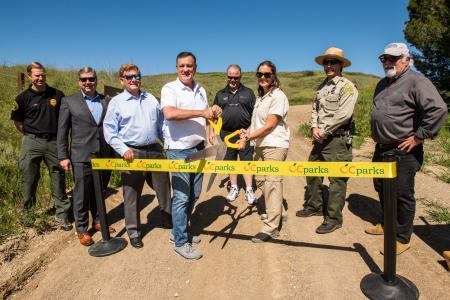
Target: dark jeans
407, 166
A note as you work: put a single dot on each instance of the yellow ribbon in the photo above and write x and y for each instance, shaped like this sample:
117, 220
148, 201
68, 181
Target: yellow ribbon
280, 168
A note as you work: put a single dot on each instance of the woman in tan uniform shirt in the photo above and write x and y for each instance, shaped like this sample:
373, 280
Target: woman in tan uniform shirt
270, 134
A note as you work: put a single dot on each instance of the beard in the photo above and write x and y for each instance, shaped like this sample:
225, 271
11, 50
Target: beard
390, 72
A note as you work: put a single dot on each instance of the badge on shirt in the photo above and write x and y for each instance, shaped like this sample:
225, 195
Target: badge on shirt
53, 102
15, 106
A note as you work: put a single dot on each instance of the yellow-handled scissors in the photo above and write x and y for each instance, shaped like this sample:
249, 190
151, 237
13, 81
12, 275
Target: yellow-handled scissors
217, 127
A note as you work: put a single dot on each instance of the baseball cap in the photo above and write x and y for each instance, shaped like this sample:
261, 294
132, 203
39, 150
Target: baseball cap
396, 49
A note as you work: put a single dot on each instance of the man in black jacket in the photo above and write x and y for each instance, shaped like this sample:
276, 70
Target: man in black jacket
237, 102
81, 117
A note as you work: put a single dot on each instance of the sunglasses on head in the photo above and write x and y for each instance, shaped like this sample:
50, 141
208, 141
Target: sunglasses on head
389, 58
90, 79
331, 62
266, 75
234, 77
135, 76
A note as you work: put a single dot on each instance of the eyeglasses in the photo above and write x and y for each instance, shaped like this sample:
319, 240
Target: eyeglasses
234, 77
90, 79
266, 75
389, 58
331, 62
135, 76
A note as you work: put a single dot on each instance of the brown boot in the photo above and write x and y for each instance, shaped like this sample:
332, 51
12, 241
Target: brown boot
85, 239
400, 248
446, 255
375, 230
99, 228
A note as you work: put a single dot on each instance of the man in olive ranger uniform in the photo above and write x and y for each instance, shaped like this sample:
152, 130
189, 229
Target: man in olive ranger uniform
407, 110
331, 127
35, 114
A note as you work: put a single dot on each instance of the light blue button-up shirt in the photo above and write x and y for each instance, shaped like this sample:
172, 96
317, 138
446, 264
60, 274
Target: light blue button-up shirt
94, 106
136, 121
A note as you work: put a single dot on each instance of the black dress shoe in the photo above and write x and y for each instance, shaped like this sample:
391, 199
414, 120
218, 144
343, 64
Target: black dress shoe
136, 242
307, 212
328, 226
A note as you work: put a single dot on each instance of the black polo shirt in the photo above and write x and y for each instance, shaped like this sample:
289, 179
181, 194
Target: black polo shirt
237, 108
38, 111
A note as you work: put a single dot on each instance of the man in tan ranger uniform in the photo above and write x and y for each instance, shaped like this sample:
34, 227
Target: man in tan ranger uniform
332, 129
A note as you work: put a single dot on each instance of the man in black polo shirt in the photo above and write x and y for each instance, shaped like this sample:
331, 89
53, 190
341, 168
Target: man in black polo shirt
35, 114
237, 102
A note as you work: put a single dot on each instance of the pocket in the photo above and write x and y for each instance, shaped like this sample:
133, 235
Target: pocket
331, 102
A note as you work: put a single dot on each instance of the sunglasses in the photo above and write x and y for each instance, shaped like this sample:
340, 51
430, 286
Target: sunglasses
331, 62
234, 77
266, 75
389, 58
130, 77
90, 79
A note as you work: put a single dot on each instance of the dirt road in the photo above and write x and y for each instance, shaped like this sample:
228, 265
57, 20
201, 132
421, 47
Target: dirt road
298, 265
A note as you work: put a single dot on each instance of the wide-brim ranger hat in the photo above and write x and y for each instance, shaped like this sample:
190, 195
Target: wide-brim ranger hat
333, 53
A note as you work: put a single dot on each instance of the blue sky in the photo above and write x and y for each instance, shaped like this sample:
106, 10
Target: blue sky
105, 34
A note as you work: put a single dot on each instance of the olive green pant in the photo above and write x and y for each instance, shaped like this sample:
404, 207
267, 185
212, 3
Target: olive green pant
334, 148
33, 151
272, 186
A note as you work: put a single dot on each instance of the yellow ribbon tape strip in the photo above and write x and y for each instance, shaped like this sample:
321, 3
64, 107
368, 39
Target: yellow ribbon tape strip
281, 168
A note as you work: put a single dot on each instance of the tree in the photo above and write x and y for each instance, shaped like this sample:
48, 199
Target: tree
428, 31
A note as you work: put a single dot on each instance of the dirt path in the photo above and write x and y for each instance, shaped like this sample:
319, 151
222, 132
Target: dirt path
298, 265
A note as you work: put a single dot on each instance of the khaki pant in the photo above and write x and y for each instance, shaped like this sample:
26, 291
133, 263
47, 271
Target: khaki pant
272, 187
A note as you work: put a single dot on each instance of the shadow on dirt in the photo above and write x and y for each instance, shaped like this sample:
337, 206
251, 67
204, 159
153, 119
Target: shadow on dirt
367, 208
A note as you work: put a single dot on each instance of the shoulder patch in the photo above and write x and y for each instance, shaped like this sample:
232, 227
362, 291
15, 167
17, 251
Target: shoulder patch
348, 89
15, 106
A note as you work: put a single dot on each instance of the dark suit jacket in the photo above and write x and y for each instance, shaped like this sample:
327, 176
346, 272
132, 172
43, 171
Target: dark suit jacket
85, 135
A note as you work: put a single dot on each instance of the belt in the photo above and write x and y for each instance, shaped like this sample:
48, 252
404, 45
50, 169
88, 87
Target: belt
387, 146
144, 147
45, 136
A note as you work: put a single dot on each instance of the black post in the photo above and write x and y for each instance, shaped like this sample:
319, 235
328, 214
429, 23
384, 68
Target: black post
107, 245
388, 285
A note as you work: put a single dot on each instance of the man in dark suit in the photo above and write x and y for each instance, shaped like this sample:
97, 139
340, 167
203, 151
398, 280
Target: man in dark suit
81, 117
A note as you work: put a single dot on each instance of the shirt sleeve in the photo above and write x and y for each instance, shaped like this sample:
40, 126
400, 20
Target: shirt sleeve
111, 127
432, 107
348, 95
278, 106
314, 113
168, 97
64, 125
18, 111
160, 123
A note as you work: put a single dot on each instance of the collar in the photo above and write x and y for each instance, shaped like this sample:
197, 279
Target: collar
334, 80
128, 96
183, 86
96, 98
228, 90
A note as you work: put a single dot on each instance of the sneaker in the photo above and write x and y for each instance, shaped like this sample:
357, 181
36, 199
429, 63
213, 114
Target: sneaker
188, 252
262, 237
233, 194
375, 230
193, 239
250, 196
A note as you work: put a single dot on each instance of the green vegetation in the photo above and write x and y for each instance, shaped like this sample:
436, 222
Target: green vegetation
436, 212
428, 31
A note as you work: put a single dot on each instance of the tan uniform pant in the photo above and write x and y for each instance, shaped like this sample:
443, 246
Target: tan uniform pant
272, 186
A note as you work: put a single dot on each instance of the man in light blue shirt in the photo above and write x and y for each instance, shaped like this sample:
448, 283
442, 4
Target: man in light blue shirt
133, 128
